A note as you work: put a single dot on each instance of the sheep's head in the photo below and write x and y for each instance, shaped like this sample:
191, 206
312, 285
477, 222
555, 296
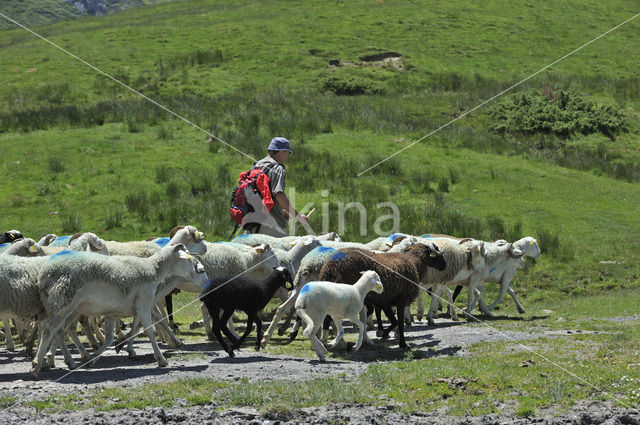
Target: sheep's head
11, 236
374, 279
285, 276
45, 240
430, 255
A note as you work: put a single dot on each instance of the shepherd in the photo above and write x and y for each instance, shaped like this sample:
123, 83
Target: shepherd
259, 202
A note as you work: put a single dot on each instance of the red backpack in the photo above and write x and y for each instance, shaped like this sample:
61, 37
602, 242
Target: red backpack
257, 180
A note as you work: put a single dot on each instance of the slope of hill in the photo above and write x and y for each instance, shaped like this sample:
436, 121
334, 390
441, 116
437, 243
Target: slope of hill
40, 12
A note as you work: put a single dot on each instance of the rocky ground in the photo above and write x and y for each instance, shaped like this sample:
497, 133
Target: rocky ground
206, 360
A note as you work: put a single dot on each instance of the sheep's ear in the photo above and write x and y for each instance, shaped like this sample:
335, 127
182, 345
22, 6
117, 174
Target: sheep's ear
153, 238
198, 235
501, 242
533, 242
76, 236
363, 272
293, 243
464, 240
397, 240
173, 231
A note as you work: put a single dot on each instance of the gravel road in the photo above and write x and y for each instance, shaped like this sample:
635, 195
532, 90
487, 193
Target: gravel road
446, 339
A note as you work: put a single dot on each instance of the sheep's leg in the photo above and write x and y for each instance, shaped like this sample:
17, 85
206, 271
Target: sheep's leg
339, 332
68, 359
7, 334
232, 328
518, 306
251, 317
109, 328
88, 332
168, 300
206, 321
361, 331
47, 333
172, 340
97, 331
400, 331
435, 296
72, 332
420, 304
294, 330
378, 311
388, 310
280, 311
147, 324
286, 322
259, 332
128, 338
219, 323
311, 330
325, 329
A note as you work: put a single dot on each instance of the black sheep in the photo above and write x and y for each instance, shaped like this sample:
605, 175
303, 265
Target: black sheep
226, 294
400, 273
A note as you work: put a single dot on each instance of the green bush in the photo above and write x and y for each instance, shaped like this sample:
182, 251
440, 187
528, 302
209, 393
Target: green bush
564, 114
350, 86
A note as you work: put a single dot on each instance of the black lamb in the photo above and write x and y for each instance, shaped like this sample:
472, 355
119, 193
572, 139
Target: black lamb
225, 294
400, 273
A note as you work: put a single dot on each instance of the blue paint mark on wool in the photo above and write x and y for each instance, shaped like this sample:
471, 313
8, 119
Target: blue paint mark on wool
394, 236
338, 256
4, 245
427, 236
491, 270
60, 241
161, 242
207, 286
243, 236
64, 253
306, 288
325, 249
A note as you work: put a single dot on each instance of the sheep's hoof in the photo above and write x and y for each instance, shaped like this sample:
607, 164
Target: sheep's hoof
282, 331
231, 353
379, 333
34, 373
211, 337
521, 311
163, 363
174, 327
257, 347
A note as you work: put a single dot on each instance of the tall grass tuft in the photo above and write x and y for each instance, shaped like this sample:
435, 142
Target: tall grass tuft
113, 218
56, 164
71, 223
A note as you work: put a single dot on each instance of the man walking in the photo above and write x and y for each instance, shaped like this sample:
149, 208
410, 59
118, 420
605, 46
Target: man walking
275, 223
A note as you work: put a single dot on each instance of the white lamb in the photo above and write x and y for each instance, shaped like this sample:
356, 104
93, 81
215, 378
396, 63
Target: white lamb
338, 300
95, 285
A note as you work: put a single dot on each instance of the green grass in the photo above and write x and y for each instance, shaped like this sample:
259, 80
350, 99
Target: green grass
80, 153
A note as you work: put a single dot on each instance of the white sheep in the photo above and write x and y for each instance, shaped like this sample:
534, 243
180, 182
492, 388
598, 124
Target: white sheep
309, 270
505, 275
318, 299
462, 258
95, 285
45, 240
285, 243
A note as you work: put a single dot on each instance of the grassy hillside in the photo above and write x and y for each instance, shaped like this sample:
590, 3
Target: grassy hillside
350, 83
41, 12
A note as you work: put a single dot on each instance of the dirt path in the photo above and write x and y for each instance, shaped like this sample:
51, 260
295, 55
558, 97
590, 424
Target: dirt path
446, 339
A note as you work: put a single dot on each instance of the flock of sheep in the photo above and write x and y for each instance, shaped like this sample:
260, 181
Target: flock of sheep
51, 286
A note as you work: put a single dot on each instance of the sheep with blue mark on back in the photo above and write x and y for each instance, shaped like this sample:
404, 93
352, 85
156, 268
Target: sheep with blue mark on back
309, 270
400, 272
97, 285
227, 293
318, 299
285, 243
